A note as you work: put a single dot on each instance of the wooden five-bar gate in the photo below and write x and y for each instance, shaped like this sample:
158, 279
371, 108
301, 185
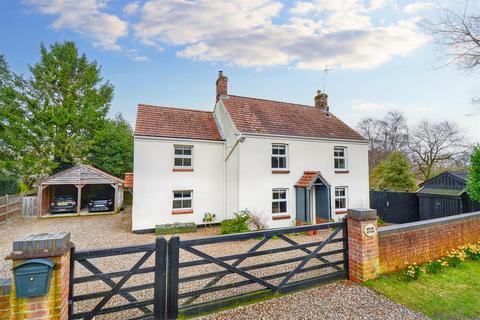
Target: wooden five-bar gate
175, 277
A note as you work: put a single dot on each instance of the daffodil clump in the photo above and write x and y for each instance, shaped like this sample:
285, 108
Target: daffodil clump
472, 251
414, 271
455, 258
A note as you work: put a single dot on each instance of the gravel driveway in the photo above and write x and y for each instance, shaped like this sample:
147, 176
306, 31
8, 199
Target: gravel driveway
87, 232
114, 230
340, 300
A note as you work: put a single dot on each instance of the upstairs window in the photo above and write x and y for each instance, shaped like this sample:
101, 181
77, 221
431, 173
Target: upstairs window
340, 158
279, 201
183, 157
182, 200
341, 198
279, 156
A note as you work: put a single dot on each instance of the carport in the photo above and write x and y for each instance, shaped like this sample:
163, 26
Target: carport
83, 183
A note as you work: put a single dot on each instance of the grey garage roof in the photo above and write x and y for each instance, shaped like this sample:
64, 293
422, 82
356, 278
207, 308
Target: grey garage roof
441, 191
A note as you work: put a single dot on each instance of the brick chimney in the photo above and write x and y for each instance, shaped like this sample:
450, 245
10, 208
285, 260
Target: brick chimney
321, 101
222, 84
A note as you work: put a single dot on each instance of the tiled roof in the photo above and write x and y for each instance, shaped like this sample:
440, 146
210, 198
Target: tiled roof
308, 178
168, 122
252, 115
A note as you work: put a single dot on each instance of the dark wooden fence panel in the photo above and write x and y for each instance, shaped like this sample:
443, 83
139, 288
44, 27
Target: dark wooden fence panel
123, 282
185, 278
395, 207
203, 279
435, 206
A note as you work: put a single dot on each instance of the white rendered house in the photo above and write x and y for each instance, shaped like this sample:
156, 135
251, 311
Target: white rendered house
284, 161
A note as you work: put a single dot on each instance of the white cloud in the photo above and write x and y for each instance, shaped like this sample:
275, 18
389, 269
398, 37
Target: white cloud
186, 22
86, 18
139, 58
131, 8
417, 6
259, 33
368, 105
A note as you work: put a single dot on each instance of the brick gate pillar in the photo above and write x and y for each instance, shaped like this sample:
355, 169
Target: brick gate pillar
54, 303
362, 244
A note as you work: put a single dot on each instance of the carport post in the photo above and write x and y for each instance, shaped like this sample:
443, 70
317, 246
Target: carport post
41, 199
115, 197
79, 197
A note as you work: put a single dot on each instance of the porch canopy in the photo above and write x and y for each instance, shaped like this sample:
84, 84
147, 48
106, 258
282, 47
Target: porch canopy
312, 197
83, 182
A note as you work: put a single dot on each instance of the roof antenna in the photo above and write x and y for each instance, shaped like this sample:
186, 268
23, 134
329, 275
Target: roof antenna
325, 73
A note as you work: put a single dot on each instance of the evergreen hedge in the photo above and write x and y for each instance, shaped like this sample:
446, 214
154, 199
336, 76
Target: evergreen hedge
8, 185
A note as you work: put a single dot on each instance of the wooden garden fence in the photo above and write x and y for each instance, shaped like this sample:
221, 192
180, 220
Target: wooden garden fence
29, 206
10, 207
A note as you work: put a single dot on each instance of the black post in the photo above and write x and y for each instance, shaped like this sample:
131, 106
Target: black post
160, 294
70, 282
172, 273
345, 247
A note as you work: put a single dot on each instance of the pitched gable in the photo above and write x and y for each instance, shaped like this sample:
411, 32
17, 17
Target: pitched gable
81, 174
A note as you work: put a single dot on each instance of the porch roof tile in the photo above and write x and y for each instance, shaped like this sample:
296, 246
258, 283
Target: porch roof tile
307, 179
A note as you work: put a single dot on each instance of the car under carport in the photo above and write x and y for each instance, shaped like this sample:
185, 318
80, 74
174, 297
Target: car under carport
84, 183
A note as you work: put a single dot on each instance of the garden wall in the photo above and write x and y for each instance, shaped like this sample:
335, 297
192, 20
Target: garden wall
422, 241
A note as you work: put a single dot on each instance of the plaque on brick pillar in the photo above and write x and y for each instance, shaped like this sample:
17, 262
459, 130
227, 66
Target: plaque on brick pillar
362, 244
370, 230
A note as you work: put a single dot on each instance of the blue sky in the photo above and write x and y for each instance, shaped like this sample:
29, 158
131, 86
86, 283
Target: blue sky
168, 52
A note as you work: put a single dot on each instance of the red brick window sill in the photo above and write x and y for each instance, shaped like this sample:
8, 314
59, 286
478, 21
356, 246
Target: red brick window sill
182, 169
187, 211
280, 171
341, 211
282, 217
342, 171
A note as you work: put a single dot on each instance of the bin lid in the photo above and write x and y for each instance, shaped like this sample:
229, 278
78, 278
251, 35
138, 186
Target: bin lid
45, 262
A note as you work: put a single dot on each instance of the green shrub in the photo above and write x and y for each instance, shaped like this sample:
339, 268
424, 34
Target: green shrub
473, 180
434, 266
8, 185
472, 251
236, 225
127, 198
456, 257
413, 272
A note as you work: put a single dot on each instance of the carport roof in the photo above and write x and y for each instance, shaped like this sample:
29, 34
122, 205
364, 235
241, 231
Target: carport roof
81, 174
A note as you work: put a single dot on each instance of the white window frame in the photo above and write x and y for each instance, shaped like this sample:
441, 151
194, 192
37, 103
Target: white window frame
182, 199
345, 158
183, 156
280, 200
279, 155
341, 197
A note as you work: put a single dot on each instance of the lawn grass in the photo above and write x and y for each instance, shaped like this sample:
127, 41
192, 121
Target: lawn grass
454, 293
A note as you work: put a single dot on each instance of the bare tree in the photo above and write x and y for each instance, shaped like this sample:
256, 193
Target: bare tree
385, 136
370, 128
395, 132
457, 31
258, 221
389, 134
433, 143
